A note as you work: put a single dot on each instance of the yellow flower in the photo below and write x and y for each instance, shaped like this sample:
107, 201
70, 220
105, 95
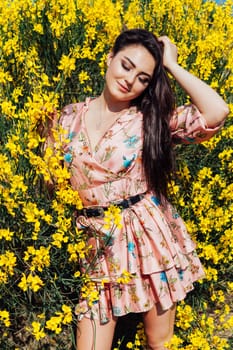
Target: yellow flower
40, 258
67, 64
7, 234
69, 196
77, 250
174, 343
58, 239
7, 264
38, 28
5, 318
37, 331
54, 324
211, 273
77, 274
5, 77
8, 109
185, 316
112, 217
230, 285
83, 76
209, 252
17, 92
14, 147
32, 282
67, 314
125, 277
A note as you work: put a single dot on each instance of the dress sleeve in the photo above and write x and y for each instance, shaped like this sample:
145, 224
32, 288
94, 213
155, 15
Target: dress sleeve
69, 115
189, 126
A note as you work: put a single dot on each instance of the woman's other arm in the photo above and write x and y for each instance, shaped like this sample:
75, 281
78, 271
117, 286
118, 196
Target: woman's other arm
209, 102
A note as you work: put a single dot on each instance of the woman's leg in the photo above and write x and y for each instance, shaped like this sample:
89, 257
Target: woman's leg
159, 325
91, 335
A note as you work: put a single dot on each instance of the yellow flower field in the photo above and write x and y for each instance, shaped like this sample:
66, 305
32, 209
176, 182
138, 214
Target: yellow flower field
53, 53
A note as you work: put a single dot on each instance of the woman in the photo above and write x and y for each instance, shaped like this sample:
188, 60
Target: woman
120, 152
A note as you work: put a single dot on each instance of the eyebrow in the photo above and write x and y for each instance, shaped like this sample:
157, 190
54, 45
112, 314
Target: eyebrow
133, 64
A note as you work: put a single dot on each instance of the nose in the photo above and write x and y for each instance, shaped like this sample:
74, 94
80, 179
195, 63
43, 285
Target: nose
130, 78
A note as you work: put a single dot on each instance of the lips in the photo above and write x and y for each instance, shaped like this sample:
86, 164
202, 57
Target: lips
122, 87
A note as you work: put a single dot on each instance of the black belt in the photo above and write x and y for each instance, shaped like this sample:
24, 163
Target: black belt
99, 211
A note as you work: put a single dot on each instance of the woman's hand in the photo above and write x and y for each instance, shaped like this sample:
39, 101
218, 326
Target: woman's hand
209, 102
170, 52
45, 127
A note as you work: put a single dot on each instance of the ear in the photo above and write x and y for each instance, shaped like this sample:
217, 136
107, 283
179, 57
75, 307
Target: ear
109, 58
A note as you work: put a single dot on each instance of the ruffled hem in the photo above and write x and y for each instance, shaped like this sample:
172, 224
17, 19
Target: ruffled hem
141, 293
153, 247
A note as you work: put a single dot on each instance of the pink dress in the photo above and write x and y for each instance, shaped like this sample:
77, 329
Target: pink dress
152, 245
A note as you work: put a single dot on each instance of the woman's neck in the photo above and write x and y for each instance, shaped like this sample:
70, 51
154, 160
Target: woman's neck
110, 105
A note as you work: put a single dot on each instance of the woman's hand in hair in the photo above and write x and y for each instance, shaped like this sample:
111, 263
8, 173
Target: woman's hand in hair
170, 52
209, 102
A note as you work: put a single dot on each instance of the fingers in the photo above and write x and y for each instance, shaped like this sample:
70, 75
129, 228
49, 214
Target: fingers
170, 51
47, 122
164, 38
167, 42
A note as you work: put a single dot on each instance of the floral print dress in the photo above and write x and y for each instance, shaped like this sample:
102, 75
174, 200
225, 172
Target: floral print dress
151, 257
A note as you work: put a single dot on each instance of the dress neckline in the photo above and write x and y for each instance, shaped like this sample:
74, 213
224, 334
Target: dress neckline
131, 111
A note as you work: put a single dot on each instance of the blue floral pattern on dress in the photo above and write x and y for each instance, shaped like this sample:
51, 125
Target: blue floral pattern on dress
181, 274
155, 200
68, 157
131, 141
163, 276
131, 247
128, 162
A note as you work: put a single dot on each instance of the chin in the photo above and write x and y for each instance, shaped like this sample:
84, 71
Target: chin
124, 96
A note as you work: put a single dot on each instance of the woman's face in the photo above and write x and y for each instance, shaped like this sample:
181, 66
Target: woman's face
129, 73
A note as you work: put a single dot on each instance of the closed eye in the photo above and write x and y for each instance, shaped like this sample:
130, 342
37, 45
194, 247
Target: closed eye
143, 80
125, 66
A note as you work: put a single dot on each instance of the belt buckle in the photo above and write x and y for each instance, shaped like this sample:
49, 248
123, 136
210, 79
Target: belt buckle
84, 212
101, 212
95, 212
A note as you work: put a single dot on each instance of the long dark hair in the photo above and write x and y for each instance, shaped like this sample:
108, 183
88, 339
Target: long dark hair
157, 104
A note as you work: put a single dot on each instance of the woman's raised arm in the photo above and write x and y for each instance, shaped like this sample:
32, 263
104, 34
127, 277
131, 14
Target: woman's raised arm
209, 102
